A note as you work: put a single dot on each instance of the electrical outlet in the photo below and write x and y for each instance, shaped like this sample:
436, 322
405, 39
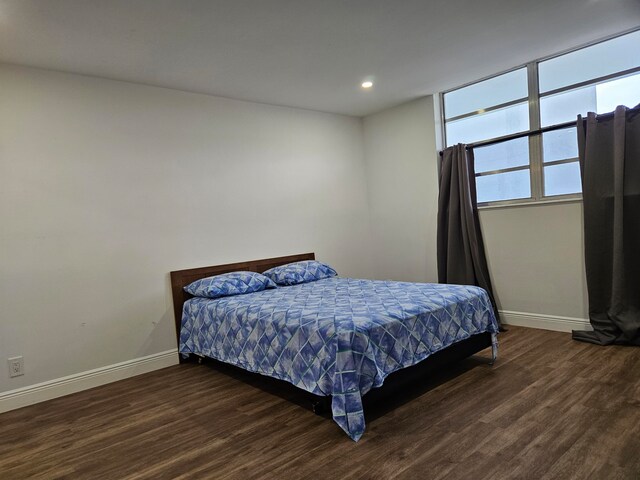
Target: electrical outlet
16, 366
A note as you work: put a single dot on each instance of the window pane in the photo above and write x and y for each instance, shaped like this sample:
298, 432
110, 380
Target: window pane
495, 91
562, 179
623, 91
565, 107
602, 59
503, 186
560, 144
513, 153
600, 98
489, 125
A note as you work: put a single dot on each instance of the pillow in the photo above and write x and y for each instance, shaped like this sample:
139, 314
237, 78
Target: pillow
300, 272
234, 283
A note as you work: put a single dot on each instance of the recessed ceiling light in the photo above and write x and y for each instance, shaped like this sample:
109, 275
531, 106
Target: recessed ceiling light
367, 84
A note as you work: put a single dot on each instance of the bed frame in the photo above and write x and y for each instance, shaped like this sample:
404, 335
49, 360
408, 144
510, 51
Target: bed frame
182, 278
397, 380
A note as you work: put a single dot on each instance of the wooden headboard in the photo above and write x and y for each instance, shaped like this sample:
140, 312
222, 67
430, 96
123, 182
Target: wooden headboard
182, 278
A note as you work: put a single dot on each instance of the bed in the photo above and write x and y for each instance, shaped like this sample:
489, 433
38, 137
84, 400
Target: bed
337, 338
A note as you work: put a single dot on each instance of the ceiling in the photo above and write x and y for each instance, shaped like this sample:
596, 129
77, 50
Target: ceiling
301, 53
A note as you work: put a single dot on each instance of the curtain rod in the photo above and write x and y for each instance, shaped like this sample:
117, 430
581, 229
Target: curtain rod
551, 128
513, 136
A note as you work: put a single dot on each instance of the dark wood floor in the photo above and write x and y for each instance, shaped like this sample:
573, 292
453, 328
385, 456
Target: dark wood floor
550, 408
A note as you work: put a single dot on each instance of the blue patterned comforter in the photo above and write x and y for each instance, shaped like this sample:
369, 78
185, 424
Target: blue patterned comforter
336, 336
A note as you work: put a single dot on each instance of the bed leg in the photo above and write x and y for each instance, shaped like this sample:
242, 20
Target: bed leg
200, 360
494, 348
320, 407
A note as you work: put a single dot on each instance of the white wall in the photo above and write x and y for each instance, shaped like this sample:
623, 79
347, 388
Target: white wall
535, 253
400, 151
107, 186
536, 258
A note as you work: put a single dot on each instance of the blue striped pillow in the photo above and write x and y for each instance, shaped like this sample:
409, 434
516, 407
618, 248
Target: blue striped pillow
234, 283
300, 272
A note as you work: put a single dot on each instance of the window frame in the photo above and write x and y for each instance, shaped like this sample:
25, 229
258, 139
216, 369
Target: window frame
536, 160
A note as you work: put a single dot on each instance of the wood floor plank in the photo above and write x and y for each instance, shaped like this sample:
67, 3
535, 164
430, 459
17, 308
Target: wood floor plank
550, 408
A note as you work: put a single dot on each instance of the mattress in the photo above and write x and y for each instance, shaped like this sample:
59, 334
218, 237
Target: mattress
336, 336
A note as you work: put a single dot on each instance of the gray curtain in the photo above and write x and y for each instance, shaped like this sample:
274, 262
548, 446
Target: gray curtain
609, 150
461, 254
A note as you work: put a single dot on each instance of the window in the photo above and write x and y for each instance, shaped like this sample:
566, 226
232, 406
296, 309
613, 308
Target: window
547, 94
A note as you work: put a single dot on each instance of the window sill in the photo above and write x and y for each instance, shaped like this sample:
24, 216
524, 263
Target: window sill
531, 203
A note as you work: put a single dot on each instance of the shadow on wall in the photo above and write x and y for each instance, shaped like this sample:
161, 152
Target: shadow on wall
163, 327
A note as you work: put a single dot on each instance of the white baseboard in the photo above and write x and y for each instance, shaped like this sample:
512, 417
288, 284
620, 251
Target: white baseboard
59, 387
544, 322
21, 397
